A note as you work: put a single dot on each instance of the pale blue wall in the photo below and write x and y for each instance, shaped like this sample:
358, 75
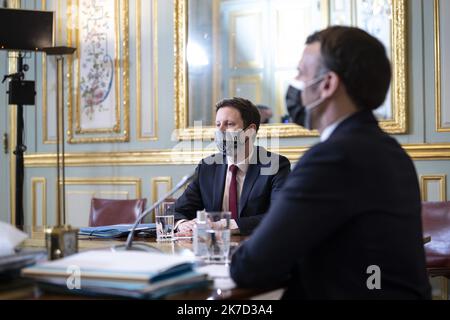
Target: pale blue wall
420, 112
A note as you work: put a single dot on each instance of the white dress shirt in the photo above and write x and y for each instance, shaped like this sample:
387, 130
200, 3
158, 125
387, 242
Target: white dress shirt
240, 177
327, 132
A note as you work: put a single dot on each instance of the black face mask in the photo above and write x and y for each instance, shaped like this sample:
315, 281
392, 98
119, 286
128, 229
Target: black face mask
294, 106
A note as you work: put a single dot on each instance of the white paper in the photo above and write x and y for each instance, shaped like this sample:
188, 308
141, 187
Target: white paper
113, 264
10, 237
220, 273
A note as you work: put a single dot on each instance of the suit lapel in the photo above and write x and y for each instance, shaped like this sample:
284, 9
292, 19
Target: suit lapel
249, 181
218, 188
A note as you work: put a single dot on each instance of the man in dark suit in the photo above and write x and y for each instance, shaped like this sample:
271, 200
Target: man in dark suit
242, 179
347, 223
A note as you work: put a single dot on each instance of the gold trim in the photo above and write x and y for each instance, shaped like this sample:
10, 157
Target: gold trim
217, 54
154, 71
125, 193
442, 179
34, 182
45, 139
256, 79
232, 41
119, 71
399, 86
154, 188
437, 67
58, 23
70, 23
180, 67
397, 125
444, 288
131, 181
417, 152
106, 181
138, 70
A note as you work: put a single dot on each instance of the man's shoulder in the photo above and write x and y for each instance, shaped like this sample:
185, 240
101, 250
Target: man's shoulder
353, 145
272, 163
214, 159
264, 153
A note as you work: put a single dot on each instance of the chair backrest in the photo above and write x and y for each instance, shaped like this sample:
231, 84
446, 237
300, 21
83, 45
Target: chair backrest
436, 224
113, 211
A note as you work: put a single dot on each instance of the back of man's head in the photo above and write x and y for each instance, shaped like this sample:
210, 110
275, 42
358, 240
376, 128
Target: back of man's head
359, 60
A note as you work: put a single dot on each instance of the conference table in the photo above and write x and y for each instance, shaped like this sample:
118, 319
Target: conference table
36, 241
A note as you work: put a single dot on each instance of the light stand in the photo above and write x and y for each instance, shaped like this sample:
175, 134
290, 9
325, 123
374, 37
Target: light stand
20, 93
59, 52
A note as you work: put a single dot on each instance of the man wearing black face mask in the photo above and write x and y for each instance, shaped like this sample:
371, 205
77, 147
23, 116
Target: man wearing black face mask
243, 179
347, 223
294, 104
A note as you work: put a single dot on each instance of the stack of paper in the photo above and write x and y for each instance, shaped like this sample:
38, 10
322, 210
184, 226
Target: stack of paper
116, 231
125, 273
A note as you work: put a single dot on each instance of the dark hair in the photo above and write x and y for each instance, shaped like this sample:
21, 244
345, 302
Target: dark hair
249, 113
262, 107
359, 60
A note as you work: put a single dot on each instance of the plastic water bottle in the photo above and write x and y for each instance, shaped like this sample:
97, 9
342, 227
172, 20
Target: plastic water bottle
199, 235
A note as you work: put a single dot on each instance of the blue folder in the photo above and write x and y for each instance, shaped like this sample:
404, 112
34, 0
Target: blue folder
116, 231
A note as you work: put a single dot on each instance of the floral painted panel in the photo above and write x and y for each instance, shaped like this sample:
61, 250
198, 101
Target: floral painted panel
97, 47
98, 97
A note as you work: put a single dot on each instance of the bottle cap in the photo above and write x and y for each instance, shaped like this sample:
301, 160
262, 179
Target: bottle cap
201, 216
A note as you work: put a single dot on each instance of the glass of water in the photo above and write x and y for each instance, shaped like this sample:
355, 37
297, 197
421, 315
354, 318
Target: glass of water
165, 222
218, 236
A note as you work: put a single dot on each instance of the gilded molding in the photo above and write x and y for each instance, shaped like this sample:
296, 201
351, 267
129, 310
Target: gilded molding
131, 181
154, 71
396, 125
217, 54
154, 187
180, 88
418, 152
106, 181
442, 179
121, 45
399, 99
34, 183
232, 41
234, 81
437, 67
45, 138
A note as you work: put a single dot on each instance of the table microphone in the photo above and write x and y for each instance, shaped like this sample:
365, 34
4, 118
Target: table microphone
145, 247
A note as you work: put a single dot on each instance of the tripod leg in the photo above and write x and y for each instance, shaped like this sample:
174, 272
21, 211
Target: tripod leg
20, 148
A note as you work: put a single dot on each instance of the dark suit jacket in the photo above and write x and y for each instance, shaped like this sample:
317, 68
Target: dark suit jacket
350, 203
206, 191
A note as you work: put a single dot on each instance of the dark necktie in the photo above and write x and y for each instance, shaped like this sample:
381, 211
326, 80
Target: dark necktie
232, 194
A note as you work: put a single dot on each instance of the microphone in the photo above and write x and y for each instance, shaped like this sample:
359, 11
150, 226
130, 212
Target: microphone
144, 247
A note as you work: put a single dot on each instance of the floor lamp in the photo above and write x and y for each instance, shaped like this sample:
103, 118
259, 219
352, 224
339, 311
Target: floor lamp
59, 53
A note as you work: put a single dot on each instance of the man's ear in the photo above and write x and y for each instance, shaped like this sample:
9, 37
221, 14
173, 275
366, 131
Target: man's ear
330, 84
251, 129
250, 132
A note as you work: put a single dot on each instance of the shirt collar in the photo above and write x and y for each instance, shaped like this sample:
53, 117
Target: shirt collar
242, 165
328, 131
